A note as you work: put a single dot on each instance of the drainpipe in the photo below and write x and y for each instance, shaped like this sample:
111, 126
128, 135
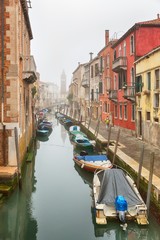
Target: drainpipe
2, 74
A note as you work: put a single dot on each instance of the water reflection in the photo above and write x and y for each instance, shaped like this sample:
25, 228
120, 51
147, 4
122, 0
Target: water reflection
113, 230
55, 201
16, 218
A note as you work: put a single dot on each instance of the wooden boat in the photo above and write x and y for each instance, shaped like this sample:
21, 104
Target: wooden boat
115, 195
81, 142
75, 130
42, 132
92, 162
45, 125
67, 122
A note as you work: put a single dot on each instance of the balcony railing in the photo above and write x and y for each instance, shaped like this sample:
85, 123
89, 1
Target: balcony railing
129, 93
119, 64
29, 69
113, 94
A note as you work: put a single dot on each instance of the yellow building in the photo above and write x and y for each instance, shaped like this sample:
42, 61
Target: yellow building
148, 97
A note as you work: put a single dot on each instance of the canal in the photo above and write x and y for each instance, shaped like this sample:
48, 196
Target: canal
55, 202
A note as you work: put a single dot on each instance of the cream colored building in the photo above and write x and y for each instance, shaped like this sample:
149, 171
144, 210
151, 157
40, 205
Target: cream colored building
148, 97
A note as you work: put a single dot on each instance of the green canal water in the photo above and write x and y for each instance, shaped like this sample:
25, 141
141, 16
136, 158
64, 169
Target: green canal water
55, 201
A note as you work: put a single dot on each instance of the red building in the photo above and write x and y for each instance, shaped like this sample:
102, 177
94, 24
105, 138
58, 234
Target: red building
137, 41
106, 78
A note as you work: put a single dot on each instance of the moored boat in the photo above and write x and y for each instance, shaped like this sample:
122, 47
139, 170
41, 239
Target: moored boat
42, 132
92, 162
115, 195
82, 142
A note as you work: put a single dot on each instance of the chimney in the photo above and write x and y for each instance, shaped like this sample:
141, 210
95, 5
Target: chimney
158, 15
106, 37
91, 56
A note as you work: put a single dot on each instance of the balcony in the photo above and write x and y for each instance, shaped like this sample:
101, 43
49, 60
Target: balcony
119, 64
129, 93
85, 83
29, 70
113, 95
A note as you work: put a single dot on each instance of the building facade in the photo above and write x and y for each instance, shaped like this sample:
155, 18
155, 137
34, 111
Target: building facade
136, 42
148, 97
17, 75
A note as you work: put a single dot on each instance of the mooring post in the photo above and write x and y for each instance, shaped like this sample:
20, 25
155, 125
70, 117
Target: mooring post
140, 166
150, 182
17, 155
97, 129
108, 141
115, 151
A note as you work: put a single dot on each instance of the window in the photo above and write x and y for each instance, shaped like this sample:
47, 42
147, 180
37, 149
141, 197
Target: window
120, 111
156, 119
92, 94
124, 49
139, 84
148, 116
132, 77
100, 87
105, 107
115, 55
132, 44
119, 51
122, 79
108, 60
157, 79
96, 69
149, 81
125, 112
92, 71
115, 111
115, 82
156, 100
101, 64
133, 112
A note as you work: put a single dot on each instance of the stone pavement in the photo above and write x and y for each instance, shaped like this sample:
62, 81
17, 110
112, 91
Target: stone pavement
132, 146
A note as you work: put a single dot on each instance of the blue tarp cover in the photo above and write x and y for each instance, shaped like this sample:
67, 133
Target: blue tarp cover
93, 158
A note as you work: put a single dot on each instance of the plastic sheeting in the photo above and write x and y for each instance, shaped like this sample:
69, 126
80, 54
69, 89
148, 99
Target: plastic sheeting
114, 183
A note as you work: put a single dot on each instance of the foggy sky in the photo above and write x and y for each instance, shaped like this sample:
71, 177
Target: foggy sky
66, 31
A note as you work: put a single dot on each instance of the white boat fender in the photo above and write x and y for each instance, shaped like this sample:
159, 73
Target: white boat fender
82, 166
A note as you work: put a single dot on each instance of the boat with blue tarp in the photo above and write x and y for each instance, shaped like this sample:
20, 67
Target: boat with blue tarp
92, 162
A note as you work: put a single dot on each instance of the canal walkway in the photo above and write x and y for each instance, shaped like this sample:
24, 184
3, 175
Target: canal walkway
130, 146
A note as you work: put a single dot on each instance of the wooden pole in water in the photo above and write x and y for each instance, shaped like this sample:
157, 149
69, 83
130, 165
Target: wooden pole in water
17, 155
109, 136
140, 166
115, 151
150, 182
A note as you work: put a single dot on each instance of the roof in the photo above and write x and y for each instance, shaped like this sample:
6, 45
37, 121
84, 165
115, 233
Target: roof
149, 23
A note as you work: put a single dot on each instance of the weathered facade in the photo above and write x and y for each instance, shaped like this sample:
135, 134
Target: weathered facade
148, 97
107, 83
17, 75
77, 93
136, 42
